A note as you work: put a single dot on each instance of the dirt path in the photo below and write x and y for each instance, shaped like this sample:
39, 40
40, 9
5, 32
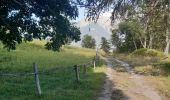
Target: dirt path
107, 88
125, 85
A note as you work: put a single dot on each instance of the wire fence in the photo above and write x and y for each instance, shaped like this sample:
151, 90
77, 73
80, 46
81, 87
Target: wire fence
36, 73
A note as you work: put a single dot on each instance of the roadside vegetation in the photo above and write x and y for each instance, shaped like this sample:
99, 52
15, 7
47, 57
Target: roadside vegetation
88, 41
57, 84
153, 65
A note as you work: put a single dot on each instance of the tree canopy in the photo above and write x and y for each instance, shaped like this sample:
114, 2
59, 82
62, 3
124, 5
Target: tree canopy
88, 42
153, 16
126, 37
27, 19
105, 45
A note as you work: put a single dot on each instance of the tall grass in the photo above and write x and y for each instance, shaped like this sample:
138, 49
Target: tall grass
58, 84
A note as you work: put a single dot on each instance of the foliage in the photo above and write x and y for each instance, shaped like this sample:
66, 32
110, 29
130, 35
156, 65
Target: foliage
148, 52
153, 16
96, 7
27, 19
125, 38
88, 42
105, 45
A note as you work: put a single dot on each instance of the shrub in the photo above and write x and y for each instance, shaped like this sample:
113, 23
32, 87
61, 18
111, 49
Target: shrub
148, 53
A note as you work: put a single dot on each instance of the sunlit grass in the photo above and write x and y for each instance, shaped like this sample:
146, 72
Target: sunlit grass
59, 83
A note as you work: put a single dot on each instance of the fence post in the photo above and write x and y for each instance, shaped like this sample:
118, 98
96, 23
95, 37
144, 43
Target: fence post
94, 63
37, 79
85, 70
97, 56
77, 73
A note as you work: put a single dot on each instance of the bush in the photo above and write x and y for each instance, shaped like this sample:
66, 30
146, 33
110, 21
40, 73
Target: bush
147, 53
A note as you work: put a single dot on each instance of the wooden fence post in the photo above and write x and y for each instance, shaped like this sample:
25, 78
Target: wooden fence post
94, 63
97, 56
37, 79
97, 59
77, 73
85, 70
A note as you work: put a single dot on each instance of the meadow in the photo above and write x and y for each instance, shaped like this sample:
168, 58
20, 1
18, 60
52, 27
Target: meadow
57, 84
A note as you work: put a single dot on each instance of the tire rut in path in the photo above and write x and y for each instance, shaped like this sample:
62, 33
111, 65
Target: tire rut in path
107, 88
141, 88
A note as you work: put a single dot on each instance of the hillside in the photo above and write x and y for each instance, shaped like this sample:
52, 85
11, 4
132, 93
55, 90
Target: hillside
56, 74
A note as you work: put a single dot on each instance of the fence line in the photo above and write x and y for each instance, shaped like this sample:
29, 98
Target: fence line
85, 66
37, 79
19, 74
28, 74
35, 73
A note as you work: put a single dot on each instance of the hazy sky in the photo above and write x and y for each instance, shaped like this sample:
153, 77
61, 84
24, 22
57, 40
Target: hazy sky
81, 14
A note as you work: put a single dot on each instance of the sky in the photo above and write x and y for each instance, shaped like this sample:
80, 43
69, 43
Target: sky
101, 27
81, 14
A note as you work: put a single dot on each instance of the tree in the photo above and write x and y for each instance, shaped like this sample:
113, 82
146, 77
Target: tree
126, 37
105, 45
154, 16
88, 42
27, 19
166, 20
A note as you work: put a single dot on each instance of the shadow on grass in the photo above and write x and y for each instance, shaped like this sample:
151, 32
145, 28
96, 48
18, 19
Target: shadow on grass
164, 68
57, 84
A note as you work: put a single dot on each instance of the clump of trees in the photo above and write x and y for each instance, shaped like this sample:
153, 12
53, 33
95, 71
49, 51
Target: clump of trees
146, 27
150, 17
27, 19
127, 37
105, 45
88, 42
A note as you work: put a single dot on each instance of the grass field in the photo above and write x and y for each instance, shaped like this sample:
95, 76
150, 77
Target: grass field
155, 69
58, 84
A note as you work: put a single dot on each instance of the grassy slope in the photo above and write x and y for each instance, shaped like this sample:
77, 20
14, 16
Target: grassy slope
156, 70
58, 84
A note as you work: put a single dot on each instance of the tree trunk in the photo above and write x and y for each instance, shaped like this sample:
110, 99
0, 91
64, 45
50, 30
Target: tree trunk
166, 50
145, 42
150, 41
142, 43
135, 44
145, 32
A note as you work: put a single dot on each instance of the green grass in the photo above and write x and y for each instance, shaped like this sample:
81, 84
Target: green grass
57, 84
148, 53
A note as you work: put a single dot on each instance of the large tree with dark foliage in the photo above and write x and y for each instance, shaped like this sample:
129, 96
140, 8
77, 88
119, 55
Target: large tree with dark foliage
27, 19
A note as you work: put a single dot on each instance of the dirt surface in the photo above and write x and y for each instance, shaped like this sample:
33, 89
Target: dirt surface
125, 85
107, 88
